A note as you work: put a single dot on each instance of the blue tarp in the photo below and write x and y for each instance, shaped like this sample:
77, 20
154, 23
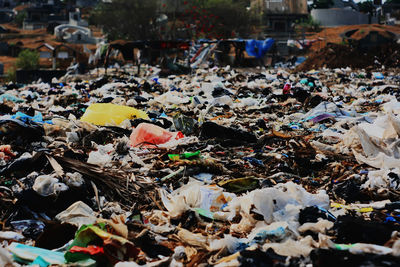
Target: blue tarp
258, 49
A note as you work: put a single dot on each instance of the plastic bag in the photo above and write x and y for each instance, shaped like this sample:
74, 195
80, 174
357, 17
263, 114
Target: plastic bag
149, 134
87, 234
41, 257
110, 114
8, 97
203, 198
102, 156
280, 203
38, 118
77, 214
45, 185
24, 253
9, 235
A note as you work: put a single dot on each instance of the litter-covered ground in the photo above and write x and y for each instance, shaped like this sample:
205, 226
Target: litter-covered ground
219, 167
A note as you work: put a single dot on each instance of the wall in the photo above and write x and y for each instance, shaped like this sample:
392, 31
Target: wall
33, 26
336, 17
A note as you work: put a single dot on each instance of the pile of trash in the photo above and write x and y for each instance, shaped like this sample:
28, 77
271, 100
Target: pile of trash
220, 167
337, 55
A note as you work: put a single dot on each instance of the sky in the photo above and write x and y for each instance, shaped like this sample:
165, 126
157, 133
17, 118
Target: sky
357, 1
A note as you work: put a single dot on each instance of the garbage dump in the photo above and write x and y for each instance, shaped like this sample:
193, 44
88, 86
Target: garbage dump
219, 167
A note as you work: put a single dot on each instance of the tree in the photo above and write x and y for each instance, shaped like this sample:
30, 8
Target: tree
128, 19
307, 24
214, 18
28, 60
226, 18
20, 17
172, 19
11, 75
322, 4
367, 7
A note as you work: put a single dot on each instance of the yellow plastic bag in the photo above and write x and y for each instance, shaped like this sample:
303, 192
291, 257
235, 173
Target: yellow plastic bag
111, 114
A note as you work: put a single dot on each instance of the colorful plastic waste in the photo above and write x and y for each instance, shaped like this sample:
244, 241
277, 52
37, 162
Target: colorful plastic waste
287, 88
111, 114
6, 152
8, 97
220, 167
27, 254
38, 118
90, 234
186, 155
146, 134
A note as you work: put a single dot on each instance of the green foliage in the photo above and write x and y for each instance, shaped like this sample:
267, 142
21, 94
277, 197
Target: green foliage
367, 7
127, 19
322, 4
141, 20
11, 75
226, 18
308, 24
19, 18
28, 60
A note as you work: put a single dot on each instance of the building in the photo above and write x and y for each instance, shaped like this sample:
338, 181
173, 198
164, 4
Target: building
6, 12
43, 13
76, 31
279, 15
75, 34
57, 56
391, 12
342, 13
75, 19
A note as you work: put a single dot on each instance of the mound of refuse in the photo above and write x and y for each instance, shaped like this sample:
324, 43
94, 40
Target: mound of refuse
221, 167
339, 55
